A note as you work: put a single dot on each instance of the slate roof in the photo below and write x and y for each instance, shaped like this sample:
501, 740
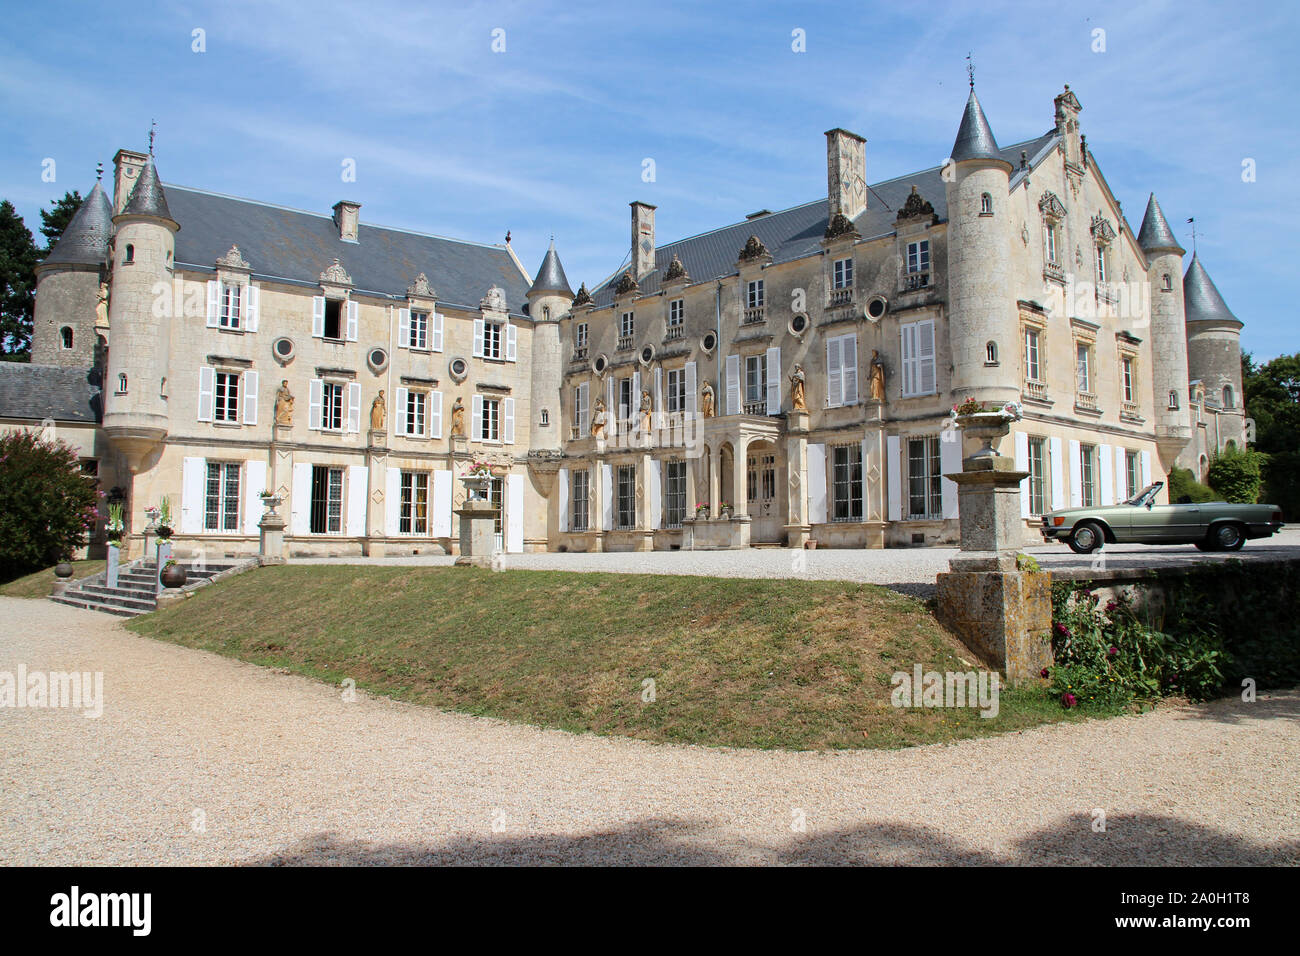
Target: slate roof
1155, 234
974, 137
297, 246
147, 196
1201, 299
37, 392
797, 232
85, 240
551, 277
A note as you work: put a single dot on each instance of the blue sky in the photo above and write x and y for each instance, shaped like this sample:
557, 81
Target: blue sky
550, 135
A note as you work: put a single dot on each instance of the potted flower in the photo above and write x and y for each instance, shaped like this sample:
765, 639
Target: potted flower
164, 519
173, 575
152, 514
270, 501
724, 509
986, 423
116, 526
476, 479
702, 509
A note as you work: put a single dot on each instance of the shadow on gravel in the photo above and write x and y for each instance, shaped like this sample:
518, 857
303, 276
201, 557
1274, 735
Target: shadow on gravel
1129, 840
1268, 705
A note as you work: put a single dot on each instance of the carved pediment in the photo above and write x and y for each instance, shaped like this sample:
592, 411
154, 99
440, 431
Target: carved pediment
916, 207
1051, 206
754, 249
421, 289
494, 301
233, 260
335, 275
840, 226
676, 271
583, 297
626, 284
1102, 230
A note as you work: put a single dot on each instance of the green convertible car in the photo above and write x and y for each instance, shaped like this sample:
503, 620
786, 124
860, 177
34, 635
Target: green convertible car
1210, 525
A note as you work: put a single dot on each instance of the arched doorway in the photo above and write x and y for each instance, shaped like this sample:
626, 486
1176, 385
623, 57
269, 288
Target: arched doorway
765, 504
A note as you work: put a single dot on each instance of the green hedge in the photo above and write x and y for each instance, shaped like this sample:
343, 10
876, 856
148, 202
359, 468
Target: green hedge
1183, 484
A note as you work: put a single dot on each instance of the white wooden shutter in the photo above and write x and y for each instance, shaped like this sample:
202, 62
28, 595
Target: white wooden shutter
300, 498
581, 413
908, 353
479, 326
214, 303
435, 331
925, 356
476, 418
733, 384
849, 368
1107, 475
434, 413
353, 319
392, 502
611, 408
358, 495
866, 491
1121, 474
354, 406
254, 485
692, 399
207, 387
1146, 469
1022, 464
194, 480
403, 328
774, 381
834, 374
654, 481
949, 463
253, 307
250, 397
318, 317
1076, 475
1057, 455
315, 400
562, 499
512, 343
659, 397
399, 410
442, 495
816, 484
508, 421
607, 496
894, 472
515, 514
634, 404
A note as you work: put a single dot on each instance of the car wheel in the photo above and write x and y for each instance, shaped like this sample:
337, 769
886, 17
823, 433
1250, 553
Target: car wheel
1227, 537
1087, 538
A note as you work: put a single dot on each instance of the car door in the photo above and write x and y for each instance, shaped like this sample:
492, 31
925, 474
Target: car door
1165, 524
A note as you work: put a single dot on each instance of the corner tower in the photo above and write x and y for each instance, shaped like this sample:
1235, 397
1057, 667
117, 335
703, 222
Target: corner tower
135, 388
548, 302
1169, 373
68, 287
1214, 350
980, 309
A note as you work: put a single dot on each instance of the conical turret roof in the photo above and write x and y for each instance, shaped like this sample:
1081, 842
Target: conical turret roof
86, 237
974, 137
1155, 235
1201, 299
551, 277
148, 198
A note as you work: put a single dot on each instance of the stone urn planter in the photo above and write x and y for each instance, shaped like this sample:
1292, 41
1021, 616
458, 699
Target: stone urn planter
988, 426
63, 570
173, 575
271, 502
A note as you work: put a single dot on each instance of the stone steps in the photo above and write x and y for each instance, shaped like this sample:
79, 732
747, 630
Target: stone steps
136, 591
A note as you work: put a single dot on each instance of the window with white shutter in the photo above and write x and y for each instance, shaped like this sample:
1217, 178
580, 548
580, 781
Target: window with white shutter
841, 370
918, 358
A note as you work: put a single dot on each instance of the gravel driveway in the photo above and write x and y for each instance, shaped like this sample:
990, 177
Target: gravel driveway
200, 760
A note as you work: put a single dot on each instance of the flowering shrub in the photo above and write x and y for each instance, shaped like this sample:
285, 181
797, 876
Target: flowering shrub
1110, 655
47, 506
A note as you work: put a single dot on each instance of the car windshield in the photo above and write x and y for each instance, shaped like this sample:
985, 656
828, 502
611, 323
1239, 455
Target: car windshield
1146, 494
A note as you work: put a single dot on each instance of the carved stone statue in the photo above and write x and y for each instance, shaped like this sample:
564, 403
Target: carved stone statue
598, 419
378, 410
797, 398
101, 306
706, 401
283, 404
458, 418
877, 377
647, 409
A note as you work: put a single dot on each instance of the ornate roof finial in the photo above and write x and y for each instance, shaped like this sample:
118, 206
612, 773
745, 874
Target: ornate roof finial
153, 128
1192, 220
99, 172
970, 70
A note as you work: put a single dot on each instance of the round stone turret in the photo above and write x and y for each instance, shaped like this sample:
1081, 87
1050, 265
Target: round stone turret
1213, 343
1169, 373
68, 287
548, 302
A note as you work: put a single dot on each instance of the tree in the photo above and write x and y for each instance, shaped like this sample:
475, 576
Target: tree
1273, 401
56, 220
1234, 474
18, 258
47, 506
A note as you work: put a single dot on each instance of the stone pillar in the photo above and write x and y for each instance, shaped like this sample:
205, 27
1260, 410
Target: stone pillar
477, 519
691, 499
797, 529
1000, 612
739, 480
376, 511
647, 539
715, 483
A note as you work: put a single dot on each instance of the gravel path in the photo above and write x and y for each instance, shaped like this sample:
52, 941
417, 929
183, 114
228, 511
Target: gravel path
281, 769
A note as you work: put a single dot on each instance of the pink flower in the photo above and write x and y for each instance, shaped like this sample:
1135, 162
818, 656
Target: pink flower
1062, 630
1110, 606
1112, 651
1044, 673
1069, 700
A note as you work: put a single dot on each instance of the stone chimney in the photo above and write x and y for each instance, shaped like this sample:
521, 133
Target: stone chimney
1067, 124
126, 169
846, 173
346, 216
643, 238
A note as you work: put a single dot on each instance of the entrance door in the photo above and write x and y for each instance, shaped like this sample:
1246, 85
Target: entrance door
768, 523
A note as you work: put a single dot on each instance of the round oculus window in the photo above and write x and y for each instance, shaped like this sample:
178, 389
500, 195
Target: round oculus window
283, 350
600, 363
708, 342
798, 323
647, 355
459, 369
377, 359
877, 307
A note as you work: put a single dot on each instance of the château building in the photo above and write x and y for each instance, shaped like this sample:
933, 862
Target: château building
779, 380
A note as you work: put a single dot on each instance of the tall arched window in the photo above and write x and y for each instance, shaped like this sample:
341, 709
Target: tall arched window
65, 334
991, 353
130, 253
1228, 397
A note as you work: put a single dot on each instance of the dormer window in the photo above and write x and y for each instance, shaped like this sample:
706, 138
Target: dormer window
1101, 263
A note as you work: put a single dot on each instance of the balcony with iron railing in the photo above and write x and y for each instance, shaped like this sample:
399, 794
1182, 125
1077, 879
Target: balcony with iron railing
755, 316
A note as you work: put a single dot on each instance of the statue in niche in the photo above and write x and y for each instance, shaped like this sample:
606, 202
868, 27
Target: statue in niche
598, 419
101, 306
378, 410
877, 377
647, 409
283, 404
797, 398
706, 401
458, 418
